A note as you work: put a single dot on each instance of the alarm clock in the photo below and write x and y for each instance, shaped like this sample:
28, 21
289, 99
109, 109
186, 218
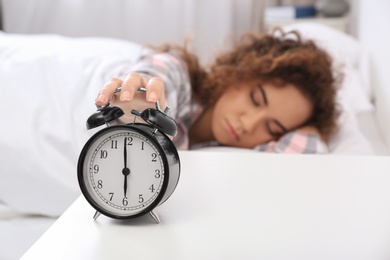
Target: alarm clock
126, 171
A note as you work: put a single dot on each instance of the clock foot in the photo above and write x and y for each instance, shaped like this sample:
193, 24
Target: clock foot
155, 216
97, 214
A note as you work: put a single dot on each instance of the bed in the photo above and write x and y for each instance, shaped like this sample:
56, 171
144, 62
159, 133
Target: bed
49, 83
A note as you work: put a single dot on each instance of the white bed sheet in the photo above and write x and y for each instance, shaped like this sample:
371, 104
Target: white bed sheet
19, 232
53, 81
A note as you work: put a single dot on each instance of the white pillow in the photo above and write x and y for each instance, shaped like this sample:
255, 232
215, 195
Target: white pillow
343, 47
349, 139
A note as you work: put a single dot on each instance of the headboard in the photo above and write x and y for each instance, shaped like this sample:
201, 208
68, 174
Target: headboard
374, 33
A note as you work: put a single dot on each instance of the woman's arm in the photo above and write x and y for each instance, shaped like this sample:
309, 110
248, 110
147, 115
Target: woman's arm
166, 79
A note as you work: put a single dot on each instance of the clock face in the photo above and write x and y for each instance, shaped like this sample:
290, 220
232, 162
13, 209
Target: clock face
122, 172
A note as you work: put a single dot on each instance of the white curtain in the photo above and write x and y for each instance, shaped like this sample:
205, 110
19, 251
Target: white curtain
207, 23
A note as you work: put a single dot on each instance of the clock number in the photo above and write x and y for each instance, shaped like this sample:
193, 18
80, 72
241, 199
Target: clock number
125, 202
157, 175
140, 198
151, 188
100, 184
129, 140
103, 154
142, 145
114, 144
154, 157
95, 168
111, 195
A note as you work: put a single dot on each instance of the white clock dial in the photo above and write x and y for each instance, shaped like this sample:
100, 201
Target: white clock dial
123, 172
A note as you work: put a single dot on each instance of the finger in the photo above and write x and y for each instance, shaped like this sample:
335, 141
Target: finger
130, 85
107, 91
155, 91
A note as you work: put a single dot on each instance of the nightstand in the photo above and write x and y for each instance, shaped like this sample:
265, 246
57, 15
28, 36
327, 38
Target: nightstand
244, 205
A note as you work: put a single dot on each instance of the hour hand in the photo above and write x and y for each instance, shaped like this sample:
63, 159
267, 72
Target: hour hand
125, 172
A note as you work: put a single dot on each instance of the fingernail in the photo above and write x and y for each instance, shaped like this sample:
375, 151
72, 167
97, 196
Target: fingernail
101, 100
125, 96
152, 97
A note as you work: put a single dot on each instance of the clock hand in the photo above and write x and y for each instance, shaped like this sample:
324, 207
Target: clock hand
125, 171
125, 152
125, 186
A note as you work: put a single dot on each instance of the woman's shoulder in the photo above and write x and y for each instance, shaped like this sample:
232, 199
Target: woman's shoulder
159, 58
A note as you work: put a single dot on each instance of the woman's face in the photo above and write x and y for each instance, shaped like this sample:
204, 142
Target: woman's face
249, 114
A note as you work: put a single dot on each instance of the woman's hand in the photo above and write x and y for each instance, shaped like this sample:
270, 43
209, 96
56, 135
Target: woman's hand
129, 92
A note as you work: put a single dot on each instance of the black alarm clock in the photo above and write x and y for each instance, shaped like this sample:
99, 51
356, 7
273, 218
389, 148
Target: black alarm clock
126, 171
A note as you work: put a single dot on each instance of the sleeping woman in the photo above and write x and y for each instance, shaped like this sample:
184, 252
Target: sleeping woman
271, 92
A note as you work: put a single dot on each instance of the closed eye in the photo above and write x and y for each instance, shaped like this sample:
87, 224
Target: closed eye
253, 99
263, 94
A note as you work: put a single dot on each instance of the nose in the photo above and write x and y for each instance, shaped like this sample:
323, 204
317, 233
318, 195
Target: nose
251, 120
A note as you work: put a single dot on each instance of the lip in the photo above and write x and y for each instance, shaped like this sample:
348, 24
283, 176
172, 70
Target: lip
232, 133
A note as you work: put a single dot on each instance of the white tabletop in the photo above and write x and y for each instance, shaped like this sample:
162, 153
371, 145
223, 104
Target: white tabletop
244, 206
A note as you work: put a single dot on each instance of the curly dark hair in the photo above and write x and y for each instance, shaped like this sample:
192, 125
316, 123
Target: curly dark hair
280, 57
